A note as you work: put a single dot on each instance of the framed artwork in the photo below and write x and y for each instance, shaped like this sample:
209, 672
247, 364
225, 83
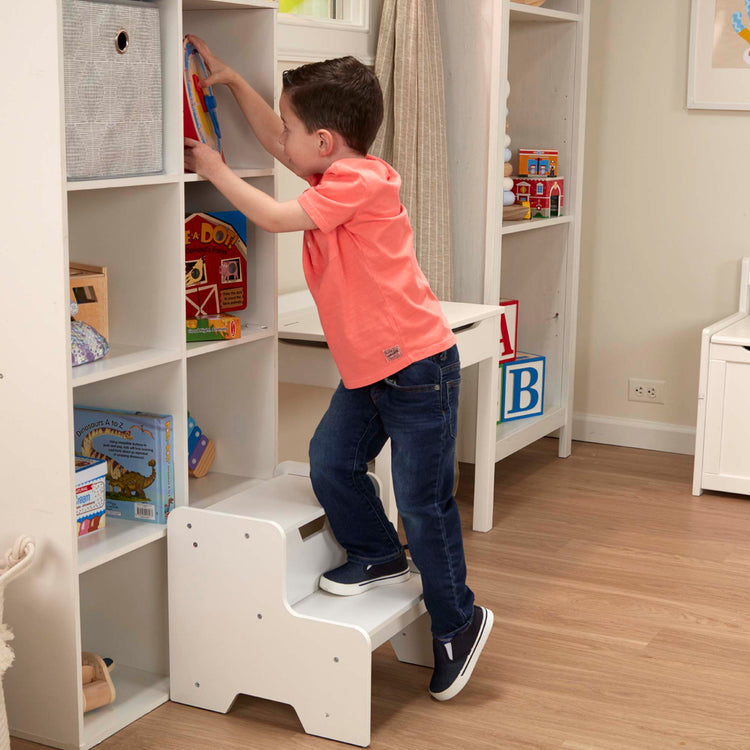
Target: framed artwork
719, 72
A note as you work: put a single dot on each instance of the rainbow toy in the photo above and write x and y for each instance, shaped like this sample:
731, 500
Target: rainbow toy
201, 450
199, 105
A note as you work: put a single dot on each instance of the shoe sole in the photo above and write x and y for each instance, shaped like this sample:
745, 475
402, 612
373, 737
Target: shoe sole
353, 589
463, 677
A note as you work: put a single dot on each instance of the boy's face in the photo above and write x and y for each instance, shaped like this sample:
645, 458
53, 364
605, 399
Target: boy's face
300, 146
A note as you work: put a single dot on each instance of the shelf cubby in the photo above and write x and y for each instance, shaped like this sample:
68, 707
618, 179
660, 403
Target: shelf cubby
136, 233
228, 395
242, 34
541, 297
260, 315
539, 105
124, 617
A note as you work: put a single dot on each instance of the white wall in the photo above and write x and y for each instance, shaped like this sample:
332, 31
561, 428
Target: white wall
665, 217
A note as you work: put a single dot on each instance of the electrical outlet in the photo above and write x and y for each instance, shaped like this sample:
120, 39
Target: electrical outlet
648, 391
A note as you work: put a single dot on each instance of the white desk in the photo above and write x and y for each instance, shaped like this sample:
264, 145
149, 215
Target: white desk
304, 359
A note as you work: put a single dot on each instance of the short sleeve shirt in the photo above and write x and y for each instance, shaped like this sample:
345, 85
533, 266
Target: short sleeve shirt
376, 307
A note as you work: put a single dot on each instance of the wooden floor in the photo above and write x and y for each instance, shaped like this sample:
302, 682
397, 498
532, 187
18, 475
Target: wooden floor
622, 620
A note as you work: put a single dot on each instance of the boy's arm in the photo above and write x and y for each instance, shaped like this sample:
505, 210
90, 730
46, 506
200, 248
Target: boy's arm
264, 122
263, 210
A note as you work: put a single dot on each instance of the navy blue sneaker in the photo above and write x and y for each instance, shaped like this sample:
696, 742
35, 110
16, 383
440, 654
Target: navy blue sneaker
456, 659
355, 578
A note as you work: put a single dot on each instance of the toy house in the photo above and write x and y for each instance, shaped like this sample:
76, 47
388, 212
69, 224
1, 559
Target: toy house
544, 195
88, 287
537, 162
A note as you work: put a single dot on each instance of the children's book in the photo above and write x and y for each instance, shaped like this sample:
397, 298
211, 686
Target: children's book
138, 449
90, 494
215, 263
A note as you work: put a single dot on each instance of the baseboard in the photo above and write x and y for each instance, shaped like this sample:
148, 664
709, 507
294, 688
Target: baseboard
634, 433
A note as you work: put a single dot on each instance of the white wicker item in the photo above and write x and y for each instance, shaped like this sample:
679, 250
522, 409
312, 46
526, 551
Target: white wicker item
17, 559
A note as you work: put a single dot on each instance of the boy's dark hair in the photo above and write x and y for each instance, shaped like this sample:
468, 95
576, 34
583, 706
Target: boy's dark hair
341, 95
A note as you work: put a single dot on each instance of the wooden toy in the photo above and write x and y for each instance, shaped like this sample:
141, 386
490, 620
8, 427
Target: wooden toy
522, 387
91, 490
88, 287
198, 104
517, 211
215, 263
508, 329
98, 688
213, 328
201, 450
537, 162
544, 194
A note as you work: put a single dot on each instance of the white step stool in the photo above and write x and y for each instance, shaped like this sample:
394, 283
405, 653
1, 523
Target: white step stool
246, 614
722, 435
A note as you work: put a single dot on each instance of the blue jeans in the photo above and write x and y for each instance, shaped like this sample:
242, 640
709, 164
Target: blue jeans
417, 408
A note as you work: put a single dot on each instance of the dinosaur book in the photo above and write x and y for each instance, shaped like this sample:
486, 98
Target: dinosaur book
138, 449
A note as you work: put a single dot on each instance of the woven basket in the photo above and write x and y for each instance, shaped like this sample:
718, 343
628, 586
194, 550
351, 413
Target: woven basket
18, 558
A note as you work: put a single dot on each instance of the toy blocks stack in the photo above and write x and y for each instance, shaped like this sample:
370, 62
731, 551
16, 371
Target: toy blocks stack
521, 374
201, 450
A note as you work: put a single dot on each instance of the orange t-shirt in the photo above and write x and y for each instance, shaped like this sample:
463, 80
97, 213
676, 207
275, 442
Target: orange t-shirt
377, 310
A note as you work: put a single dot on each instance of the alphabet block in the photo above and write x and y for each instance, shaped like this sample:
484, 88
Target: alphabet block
522, 390
508, 329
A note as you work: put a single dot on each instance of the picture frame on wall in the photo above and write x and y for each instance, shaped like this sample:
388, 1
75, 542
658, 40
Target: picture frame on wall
719, 65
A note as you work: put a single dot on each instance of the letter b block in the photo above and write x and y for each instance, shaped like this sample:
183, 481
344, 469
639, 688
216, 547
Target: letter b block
522, 392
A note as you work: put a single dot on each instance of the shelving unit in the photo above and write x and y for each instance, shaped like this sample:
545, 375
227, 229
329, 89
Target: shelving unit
107, 592
543, 52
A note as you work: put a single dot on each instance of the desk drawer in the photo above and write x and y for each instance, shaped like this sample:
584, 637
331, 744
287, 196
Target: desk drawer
307, 363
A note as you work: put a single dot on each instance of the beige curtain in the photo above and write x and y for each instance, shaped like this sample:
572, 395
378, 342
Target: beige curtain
409, 64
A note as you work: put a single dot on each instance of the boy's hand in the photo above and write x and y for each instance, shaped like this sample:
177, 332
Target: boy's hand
219, 71
201, 159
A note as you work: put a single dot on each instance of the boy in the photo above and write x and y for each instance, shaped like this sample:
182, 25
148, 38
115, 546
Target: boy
396, 354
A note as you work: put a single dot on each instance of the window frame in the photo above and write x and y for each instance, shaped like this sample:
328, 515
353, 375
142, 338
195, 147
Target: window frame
307, 39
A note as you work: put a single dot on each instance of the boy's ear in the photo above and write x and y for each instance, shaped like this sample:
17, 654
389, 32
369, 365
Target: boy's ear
326, 141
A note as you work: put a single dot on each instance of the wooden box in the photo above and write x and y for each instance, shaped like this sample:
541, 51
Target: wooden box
88, 287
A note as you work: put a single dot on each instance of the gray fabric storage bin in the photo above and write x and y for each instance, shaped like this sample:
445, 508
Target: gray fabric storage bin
113, 94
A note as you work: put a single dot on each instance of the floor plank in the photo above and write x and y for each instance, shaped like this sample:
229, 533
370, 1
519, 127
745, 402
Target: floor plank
622, 610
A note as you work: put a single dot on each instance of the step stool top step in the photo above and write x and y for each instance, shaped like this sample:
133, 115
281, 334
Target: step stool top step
382, 612
288, 500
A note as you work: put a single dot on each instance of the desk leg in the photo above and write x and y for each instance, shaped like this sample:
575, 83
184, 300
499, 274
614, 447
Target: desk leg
484, 461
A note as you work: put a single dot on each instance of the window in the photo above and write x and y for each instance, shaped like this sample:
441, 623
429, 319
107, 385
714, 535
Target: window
312, 30
329, 10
